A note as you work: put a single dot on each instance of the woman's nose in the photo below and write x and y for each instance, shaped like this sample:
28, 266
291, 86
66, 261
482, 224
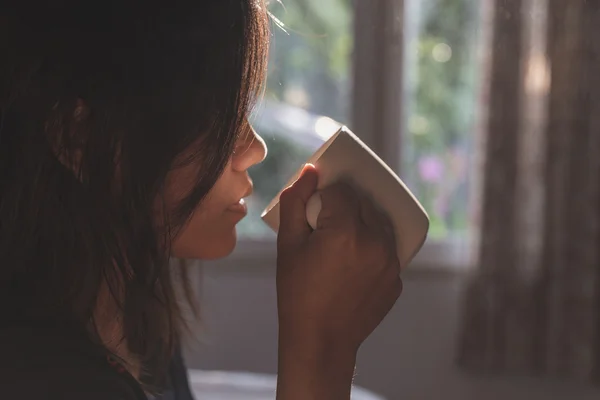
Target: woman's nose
249, 150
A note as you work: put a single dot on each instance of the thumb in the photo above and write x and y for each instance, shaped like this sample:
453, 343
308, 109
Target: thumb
293, 226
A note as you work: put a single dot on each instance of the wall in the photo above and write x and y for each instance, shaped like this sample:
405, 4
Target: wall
410, 356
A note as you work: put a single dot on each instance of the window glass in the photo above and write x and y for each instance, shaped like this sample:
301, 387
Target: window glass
307, 94
441, 90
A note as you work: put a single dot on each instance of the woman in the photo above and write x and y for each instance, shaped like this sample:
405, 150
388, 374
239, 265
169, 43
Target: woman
124, 141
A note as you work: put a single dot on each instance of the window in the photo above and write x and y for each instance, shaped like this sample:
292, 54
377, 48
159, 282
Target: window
441, 88
403, 75
308, 90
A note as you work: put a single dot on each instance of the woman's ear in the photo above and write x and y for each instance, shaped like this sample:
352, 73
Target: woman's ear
67, 134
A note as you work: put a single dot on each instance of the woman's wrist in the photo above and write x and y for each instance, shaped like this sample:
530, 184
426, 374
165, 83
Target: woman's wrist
311, 369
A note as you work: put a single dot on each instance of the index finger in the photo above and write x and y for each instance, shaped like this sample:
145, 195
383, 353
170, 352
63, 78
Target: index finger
340, 206
374, 216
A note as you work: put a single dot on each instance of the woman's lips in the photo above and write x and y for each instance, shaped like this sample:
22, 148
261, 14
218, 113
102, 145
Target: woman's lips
239, 207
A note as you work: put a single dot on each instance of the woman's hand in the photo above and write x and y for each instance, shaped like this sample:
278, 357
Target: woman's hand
334, 287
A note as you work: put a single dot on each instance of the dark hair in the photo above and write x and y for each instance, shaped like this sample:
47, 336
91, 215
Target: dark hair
165, 86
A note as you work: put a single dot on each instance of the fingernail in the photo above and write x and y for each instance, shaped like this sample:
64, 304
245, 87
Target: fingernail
305, 168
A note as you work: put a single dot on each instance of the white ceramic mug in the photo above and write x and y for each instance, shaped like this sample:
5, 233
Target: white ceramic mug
345, 156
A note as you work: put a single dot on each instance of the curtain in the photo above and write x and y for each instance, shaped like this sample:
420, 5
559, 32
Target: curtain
532, 304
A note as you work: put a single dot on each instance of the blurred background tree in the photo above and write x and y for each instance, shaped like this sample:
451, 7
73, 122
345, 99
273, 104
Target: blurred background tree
310, 56
442, 104
310, 69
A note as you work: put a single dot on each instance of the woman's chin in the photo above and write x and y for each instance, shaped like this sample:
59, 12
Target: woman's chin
217, 247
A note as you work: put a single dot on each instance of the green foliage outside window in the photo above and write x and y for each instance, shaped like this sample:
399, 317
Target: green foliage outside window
310, 69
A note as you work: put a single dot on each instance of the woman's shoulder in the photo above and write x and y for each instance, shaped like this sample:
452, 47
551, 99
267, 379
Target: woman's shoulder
50, 363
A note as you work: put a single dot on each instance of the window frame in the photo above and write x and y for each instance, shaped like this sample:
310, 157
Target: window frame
377, 73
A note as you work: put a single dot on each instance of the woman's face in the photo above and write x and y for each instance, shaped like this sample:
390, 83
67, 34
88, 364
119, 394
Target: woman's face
211, 230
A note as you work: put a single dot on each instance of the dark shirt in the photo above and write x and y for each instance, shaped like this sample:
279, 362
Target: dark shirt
178, 387
47, 363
